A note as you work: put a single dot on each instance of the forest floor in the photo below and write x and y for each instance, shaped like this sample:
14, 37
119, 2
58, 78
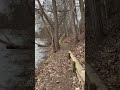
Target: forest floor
56, 73
106, 60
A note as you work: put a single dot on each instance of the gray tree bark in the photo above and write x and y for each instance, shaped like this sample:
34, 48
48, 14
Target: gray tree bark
82, 10
55, 33
73, 21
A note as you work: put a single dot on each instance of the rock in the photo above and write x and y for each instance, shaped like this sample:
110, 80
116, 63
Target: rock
57, 82
77, 88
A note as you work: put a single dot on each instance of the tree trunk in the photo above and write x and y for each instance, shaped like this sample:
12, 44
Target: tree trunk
82, 10
76, 19
65, 21
49, 31
95, 17
46, 17
55, 42
55, 33
73, 21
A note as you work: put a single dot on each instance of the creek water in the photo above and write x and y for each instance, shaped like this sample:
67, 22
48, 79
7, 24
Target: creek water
40, 52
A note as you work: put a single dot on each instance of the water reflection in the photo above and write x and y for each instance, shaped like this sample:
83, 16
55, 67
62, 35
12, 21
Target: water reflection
40, 52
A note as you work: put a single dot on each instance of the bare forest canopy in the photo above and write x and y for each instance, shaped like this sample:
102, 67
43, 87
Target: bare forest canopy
60, 18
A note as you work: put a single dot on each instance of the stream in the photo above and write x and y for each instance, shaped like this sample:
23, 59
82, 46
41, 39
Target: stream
40, 52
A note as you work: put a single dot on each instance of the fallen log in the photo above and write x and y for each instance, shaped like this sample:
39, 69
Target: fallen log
39, 45
78, 66
78, 69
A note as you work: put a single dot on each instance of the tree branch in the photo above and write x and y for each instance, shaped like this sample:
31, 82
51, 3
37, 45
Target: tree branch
45, 15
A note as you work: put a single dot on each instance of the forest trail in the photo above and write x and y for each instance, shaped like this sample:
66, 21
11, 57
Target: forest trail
56, 72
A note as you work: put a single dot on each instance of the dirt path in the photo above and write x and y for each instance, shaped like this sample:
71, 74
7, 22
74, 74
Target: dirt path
56, 72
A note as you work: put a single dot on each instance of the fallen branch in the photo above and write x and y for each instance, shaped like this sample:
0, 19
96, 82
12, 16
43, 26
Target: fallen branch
39, 45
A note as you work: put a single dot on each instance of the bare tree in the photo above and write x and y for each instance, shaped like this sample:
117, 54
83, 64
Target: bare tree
65, 21
55, 39
55, 34
45, 15
73, 21
82, 10
61, 16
